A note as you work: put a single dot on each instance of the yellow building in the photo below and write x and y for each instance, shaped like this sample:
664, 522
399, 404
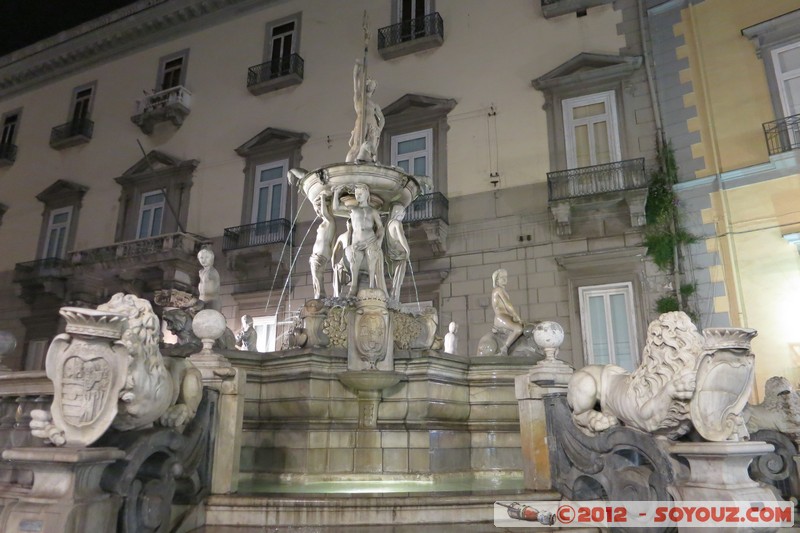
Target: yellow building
728, 82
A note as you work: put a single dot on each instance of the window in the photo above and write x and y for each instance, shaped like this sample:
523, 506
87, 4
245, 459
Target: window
415, 136
266, 327
57, 230
282, 42
413, 152
787, 72
155, 196
409, 13
268, 202
81, 104
151, 214
590, 130
172, 71
10, 125
609, 331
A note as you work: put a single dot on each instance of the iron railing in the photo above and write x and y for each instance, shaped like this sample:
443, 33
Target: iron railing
177, 95
409, 30
433, 206
782, 135
8, 152
292, 64
267, 232
597, 179
78, 127
40, 268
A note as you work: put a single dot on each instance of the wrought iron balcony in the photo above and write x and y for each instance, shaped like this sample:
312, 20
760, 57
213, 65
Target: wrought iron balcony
433, 206
598, 179
260, 233
411, 36
73, 133
52, 267
141, 251
173, 104
782, 135
274, 75
8, 153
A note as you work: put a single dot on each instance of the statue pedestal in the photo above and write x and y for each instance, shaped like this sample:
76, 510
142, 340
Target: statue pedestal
66, 496
718, 472
548, 377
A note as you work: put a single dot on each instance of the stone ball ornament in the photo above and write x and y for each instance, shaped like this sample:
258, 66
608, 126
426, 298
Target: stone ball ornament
549, 336
209, 324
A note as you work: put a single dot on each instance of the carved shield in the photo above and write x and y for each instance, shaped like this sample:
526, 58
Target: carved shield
724, 383
371, 336
87, 375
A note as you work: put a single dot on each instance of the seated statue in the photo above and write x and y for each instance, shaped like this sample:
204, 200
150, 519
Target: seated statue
509, 333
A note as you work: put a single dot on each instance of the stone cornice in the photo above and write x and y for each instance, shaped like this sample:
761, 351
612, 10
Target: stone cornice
125, 30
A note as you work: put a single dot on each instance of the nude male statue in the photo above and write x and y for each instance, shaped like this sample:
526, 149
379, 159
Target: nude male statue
366, 238
321, 251
505, 316
369, 119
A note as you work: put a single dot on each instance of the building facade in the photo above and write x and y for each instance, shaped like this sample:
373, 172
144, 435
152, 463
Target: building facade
137, 138
728, 82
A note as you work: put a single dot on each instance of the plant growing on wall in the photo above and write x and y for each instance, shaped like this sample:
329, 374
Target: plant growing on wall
663, 234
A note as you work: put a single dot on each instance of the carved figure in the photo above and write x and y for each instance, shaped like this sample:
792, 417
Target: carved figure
366, 239
655, 397
369, 118
322, 245
780, 410
341, 268
247, 337
450, 339
209, 280
154, 388
508, 327
397, 250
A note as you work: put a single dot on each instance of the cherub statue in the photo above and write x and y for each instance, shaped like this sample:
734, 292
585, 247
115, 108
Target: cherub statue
209, 280
450, 339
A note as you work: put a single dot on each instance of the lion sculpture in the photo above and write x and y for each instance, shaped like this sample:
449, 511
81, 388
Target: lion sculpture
655, 397
156, 389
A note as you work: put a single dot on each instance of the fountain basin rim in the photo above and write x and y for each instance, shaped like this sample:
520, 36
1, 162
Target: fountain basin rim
370, 380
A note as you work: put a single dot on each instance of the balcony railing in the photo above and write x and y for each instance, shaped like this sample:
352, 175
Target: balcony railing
8, 153
598, 179
260, 233
41, 268
74, 132
433, 206
140, 249
782, 135
173, 104
428, 30
258, 74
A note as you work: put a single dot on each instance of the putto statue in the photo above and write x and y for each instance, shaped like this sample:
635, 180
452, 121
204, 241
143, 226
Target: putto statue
107, 371
507, 332
209, 280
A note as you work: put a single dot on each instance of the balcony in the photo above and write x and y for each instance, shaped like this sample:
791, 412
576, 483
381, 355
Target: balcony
426, 220
554, 8
73, 133
143, 265
173, 104
590, 187
411, 36
782, 135
8, 154
255, 249
274, 75
258, 234
42, 277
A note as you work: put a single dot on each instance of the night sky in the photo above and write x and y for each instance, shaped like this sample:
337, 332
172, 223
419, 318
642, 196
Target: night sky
23, 22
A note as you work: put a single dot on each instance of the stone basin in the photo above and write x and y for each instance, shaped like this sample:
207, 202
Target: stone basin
370, 380
387, 185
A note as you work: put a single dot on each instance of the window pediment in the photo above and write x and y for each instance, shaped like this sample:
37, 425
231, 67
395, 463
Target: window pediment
417, 104
272, 140
775, 31
62, 192
157, 164
586, 68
